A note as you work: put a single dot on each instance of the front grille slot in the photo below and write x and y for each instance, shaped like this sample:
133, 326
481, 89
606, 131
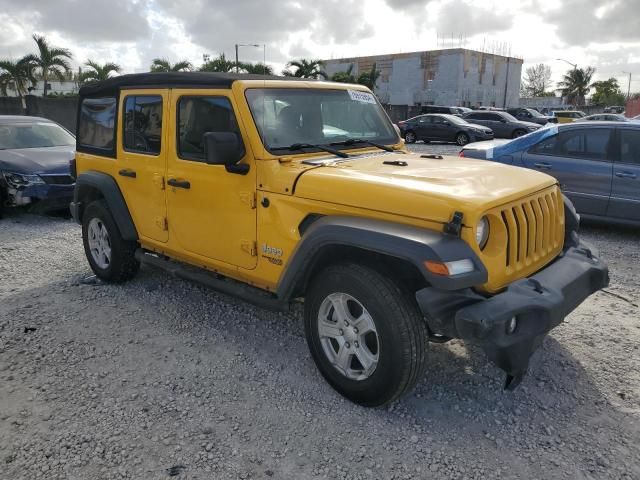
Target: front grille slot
535, 229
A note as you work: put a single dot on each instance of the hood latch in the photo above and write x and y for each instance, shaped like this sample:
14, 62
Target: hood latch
454, 226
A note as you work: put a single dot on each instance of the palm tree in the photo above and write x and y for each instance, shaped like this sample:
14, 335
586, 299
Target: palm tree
370, 78
344, 77
219, 64
16, 75
97, 72
257, 68
163, 65
575, 84
49, 61
305, 69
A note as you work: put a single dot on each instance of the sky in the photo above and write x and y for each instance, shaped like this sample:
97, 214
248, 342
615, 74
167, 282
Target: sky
604, 34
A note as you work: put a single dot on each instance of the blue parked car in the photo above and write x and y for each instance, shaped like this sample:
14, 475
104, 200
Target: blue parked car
34, 163
596, 163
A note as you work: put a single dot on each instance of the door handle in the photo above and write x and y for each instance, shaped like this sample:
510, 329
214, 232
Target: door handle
625, 175
173, 182
543, 165
127, 172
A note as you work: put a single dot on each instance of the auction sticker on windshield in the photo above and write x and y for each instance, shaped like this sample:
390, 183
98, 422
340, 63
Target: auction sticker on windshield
364, 97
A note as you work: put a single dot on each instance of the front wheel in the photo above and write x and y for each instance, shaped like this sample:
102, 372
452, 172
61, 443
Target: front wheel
518, 133
111, 257
366, 334
462, 139
410, 137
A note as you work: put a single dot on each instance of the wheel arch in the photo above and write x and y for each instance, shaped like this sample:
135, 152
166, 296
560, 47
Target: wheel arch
92, 185
389, 247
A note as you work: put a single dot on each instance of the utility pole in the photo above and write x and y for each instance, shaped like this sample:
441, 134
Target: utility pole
248, 45
506, 84
629, 87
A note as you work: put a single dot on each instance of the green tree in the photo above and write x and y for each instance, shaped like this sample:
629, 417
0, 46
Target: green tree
305, 69
536, 81
164, 65
345, 76
97, 72
576, 84
370, 78
256, 68
16, 76
49, 61
218, 64
607, 93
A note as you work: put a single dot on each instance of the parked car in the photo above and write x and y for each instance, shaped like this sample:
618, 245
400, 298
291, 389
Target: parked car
443, 128
635, 119
596, 163
614, 109
568, 116
34, 163
387, 248
503, 124
531, 115
603, 117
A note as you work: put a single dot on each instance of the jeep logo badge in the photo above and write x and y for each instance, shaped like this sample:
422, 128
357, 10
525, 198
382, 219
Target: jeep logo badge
267, 250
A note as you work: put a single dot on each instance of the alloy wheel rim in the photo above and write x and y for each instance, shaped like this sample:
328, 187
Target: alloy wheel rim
348, 336
99, 243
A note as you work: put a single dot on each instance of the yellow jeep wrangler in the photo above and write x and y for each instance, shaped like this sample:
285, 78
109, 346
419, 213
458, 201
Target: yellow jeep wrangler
278, 190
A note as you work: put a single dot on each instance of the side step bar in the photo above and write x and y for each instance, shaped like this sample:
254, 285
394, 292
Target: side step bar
224, 285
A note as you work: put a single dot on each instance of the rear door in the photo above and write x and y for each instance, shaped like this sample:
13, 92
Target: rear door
581, 160
423, 128
625, 190
142, 158
439, 128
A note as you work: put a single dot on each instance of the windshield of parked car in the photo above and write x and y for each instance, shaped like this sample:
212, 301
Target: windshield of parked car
289, 116
33, 135
534, 113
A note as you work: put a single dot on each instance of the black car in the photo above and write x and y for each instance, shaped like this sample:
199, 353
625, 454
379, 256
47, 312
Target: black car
503, 124
531, 115
34, 163
443, 128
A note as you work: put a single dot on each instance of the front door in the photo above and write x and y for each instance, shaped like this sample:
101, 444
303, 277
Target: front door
211, 211
142, 157
581, 161
625, 190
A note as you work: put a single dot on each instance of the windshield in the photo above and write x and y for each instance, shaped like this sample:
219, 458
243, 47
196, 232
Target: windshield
287, 117
534, 113
34, 135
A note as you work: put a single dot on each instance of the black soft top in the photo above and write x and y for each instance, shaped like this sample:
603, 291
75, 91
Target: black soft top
172, 79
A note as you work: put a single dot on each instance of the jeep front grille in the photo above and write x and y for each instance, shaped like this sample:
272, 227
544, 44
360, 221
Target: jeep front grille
534, 228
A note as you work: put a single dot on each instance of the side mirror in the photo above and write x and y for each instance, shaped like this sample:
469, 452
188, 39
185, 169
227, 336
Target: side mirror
225, 148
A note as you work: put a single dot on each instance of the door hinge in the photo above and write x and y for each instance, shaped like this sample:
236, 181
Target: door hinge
250, 247
250, 198
159, 181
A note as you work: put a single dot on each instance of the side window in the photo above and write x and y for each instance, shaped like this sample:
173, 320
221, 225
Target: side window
96, 129
437, 120
142, 125
630, 146
545, 147
198, 115
592, 144
424, 120
494, 116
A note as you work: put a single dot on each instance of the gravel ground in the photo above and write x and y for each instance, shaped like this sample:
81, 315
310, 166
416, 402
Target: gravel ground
160, 377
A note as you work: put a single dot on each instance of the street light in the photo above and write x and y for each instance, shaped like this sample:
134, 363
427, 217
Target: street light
574, 65
248, 45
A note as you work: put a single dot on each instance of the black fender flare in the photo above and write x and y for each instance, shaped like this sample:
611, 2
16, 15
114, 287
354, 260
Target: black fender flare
405, 242
105, 184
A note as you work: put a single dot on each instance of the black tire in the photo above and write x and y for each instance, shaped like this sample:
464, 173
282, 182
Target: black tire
462, 139
410, 137
123, 264
3, 199
518, 133
400, 328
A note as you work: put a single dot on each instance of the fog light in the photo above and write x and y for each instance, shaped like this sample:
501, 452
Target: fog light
512, 325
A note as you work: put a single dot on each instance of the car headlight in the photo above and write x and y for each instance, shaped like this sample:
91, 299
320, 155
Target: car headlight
18, 180
482, 232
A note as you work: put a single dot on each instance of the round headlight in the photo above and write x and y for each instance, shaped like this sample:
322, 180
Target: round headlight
482, 232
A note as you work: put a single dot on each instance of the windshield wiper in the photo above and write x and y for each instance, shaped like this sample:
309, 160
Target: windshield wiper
353, 141
300, 146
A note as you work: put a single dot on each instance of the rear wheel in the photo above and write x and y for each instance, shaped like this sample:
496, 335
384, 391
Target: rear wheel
366, 334
518, 133
462, 139
410, 137
111, 257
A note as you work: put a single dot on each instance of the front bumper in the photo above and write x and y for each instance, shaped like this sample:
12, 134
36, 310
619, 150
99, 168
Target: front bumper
479, 137
41, 197
539, 303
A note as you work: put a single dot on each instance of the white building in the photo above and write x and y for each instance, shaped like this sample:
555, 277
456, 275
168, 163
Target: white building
450, 77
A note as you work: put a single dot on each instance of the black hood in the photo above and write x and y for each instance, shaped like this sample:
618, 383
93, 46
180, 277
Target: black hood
30, 161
